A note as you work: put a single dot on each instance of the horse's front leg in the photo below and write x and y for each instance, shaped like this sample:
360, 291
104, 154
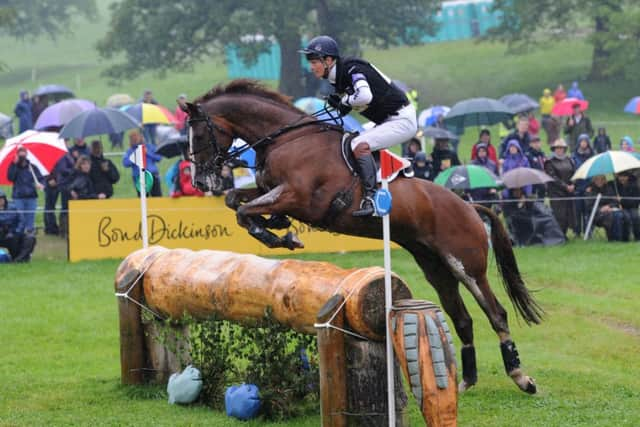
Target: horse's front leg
274, 202
235, 198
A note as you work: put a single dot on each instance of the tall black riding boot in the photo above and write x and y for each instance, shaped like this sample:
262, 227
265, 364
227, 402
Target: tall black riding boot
367, 172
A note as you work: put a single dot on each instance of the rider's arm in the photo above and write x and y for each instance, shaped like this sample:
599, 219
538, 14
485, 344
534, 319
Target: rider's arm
361, 95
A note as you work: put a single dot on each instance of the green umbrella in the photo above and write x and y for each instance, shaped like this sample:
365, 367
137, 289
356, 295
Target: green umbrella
467, 177
476, 112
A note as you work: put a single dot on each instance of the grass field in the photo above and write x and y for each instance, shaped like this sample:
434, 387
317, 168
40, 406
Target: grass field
60, 360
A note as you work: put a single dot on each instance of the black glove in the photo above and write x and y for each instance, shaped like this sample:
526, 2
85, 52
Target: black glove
334, 100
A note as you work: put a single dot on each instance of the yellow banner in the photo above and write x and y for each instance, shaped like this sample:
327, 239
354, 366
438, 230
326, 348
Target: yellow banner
101, 229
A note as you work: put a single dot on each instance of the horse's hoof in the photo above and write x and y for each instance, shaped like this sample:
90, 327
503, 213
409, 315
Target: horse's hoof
278, 222
464, 386
530, 386
292, 242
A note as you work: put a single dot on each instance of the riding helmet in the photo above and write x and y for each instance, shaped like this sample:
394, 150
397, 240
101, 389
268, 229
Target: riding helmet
320, 47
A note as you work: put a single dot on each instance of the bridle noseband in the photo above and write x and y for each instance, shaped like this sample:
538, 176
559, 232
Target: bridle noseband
215, 164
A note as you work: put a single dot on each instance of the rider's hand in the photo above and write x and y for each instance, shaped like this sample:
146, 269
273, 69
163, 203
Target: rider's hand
335, 101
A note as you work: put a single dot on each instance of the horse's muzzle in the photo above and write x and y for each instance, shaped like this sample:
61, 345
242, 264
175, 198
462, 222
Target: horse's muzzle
208, 183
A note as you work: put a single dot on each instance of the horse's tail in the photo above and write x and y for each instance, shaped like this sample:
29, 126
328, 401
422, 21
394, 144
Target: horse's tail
518, 293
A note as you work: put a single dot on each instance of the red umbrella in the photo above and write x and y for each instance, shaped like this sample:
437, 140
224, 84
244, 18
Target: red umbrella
44, 149
565, 107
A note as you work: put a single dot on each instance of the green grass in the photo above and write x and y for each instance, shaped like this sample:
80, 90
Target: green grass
60, 364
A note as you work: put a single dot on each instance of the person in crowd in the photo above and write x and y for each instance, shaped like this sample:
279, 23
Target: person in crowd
103, 172
181, 116
609, 215
227, 181
411, 148
182, 182
515, 158
64, 172
135, 139
485, 139
559, 94
422, 166
534, 125
26, 180
574, 91
629, 198
554, 126
79, 148
482, 159
116, 140
19, 244
546, 105
626, 144
443, 156
39, 104
514, 204
601, 142
23, 112
520, 134
361, 86
82, 187
582, 153
536, 158
149, 128
561, 168
51, 193
577, 124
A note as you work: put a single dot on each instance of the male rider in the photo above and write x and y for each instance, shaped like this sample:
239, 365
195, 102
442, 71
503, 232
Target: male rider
362, 87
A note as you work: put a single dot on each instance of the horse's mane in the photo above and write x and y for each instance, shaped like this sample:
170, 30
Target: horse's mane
247, 87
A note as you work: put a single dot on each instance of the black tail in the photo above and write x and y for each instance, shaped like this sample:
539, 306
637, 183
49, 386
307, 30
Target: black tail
518, 293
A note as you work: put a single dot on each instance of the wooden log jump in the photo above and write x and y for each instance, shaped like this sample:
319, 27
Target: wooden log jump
300, 294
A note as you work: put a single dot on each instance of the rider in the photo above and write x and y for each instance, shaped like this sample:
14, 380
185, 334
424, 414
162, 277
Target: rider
362, 87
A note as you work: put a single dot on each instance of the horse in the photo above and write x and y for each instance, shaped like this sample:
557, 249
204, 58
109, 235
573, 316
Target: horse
301, 174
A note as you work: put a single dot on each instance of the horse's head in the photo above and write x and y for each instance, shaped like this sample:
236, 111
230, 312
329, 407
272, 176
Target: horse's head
208, 145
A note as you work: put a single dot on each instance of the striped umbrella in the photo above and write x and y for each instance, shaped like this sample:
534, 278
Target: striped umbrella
44, 149
467, 177
607, 163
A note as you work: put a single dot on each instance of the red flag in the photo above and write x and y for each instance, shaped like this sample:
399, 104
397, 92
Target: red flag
391, 163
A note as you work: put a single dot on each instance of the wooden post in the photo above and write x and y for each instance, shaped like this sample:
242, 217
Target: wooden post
132, 347
333, 369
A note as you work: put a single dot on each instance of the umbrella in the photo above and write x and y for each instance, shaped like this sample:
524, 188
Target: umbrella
54, 91
98, 121
150, 113
467, 177
61, 113
119, 99
309, 104
519, 102
476, 112
44, 149
607, 163
438, 133
173, 146
521, 177
565, 107
633, 106
429, 117
6, 128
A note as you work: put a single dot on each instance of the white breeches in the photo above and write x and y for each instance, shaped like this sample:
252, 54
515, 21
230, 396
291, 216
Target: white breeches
393, 131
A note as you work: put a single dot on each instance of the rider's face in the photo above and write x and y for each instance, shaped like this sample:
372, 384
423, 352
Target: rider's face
317, 68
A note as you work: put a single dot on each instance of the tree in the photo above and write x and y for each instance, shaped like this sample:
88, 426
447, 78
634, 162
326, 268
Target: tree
163, 36
28, 19
528, 24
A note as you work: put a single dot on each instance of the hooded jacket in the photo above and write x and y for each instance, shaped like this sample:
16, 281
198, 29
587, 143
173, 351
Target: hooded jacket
22, 177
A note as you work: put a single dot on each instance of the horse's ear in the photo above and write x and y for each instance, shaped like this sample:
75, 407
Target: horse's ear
189, 108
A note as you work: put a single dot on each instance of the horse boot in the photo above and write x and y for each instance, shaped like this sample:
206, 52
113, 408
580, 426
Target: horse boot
367, 172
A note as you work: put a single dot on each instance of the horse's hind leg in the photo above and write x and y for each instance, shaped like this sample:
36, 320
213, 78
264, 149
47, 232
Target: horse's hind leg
235, 198
479, 288
446, 284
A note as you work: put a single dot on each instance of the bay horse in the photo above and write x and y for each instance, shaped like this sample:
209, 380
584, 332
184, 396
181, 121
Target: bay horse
301, 173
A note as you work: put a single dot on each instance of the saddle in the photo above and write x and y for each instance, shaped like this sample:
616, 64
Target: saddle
350, 160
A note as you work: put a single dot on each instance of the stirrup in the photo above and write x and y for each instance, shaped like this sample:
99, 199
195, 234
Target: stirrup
367, 208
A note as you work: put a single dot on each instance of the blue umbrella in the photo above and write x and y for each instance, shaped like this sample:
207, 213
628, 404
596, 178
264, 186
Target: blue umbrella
62, 91
99, 121
633, 106
519, 102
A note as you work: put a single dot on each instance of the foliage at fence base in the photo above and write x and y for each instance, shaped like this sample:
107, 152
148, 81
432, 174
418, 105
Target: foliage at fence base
280, 361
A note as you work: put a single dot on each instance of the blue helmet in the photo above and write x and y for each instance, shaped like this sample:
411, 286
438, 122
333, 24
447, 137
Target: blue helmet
321, 46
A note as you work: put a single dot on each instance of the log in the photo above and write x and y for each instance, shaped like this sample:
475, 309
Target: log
240, 287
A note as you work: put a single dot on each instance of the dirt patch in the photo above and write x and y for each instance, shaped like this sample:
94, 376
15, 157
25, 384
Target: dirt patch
624, 327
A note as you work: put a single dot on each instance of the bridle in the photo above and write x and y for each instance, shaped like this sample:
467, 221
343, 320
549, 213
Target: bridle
214, 164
